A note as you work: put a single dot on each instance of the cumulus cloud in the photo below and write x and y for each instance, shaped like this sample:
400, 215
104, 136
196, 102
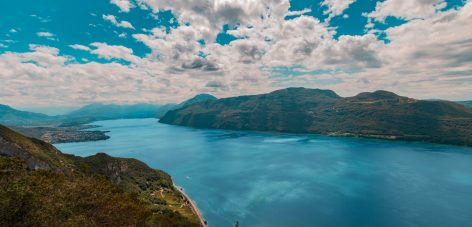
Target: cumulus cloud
412, 9
110, 52
336, 7
424, 58
112, 19
124, 5
43, 77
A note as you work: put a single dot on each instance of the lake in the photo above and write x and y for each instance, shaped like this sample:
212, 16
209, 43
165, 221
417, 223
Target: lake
270, 179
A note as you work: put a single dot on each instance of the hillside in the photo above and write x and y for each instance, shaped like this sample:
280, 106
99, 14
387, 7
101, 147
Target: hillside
379, 114
40, 186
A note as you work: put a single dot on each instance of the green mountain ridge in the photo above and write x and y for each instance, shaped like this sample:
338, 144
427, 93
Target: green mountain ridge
40, 186
379, 114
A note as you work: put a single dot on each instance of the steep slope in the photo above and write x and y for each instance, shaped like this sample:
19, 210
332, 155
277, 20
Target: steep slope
40, 186
10, 116
380, 114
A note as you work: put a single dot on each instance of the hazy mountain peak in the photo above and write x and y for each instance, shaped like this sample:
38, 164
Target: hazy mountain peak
11, 116
196, 99
5, 107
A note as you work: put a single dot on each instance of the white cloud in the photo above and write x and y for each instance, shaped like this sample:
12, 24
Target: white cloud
123, 35
411, 9
298, 13
428, 58
114, 21
110, 52
336, 7
124, 5
47, 35
79, 47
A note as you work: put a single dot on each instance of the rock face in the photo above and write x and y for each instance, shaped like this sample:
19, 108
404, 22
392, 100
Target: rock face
37, 155
379, 114
13, 150
130, 174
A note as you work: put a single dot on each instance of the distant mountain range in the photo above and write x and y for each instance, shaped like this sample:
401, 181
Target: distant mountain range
40, 186
466, 103
379, 114
69, 127
10, 116
96, 112
93, 112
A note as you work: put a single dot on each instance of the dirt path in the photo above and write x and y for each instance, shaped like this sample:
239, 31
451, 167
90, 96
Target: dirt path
194, 207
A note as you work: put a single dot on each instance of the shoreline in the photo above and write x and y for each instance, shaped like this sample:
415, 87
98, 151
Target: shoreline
193, 205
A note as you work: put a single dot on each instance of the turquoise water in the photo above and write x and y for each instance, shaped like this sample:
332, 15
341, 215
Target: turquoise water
271, 180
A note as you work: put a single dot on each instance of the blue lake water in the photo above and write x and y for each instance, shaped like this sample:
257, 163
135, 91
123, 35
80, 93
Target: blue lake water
270, 180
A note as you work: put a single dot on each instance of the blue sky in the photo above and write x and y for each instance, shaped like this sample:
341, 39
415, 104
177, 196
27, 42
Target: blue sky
81, 22
165, 51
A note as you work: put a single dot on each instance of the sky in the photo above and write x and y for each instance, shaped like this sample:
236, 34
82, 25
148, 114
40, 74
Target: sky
70, 53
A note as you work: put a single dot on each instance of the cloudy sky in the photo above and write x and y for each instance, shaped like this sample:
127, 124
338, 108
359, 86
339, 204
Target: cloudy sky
67, 53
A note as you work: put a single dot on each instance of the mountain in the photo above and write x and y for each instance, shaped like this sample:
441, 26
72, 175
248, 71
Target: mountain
10, 116
70, 127
466, 103
40, 186
379, 114
196, 99
95, 112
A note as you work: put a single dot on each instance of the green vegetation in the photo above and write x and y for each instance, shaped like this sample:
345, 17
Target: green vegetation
46, 198
40, 186
380, 114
